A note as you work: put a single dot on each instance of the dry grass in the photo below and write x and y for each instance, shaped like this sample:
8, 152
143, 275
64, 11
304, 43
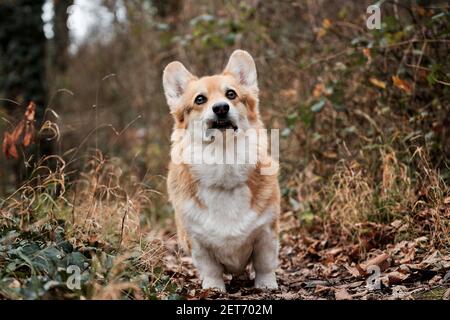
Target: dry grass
359, 151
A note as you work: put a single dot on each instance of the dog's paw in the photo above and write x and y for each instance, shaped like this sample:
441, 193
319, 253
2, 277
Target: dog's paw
212, 283
266, 281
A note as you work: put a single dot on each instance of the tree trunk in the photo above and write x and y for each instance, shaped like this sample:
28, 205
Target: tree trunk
61, 34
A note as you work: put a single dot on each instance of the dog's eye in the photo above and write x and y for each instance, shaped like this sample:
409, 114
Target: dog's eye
200, 99
231, 94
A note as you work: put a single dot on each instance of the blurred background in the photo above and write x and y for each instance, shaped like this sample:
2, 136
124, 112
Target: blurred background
364, 115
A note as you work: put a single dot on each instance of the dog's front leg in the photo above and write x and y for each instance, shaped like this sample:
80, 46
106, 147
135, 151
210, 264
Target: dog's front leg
211, 271
265, 259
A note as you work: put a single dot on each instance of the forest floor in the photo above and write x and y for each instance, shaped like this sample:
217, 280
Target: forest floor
321, 268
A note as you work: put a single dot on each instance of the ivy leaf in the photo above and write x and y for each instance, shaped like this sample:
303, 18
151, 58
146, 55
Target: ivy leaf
318, 106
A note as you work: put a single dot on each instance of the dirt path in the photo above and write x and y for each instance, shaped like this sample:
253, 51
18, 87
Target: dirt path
313, 268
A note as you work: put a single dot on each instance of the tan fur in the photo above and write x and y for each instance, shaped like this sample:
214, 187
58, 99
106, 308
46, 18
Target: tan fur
265, 192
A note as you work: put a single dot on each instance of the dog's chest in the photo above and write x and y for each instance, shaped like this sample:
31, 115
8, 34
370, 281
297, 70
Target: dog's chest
225, 215
225, 222
223, 176
225, 225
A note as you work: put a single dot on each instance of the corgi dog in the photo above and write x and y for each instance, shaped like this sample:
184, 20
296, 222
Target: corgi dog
226, 213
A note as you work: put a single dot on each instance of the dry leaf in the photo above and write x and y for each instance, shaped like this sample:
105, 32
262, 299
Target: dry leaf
23, 133
321, 32
326, 23
9, 148
378, 83
402, 84
380, 261
290, 94
342, 294
396, 277
31, 112
368, 55
321, 289
396, 223
318, 90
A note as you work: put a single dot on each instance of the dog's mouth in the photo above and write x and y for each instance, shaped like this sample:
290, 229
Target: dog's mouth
223, 124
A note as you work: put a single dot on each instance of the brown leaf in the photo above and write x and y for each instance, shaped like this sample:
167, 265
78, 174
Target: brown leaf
318, 90
378, 83
380, 261
289, 94
8, 147
321, 289
355, 271
396, 277
17, 132
368, 55
342, 294
361, 270
402, 84
5, 144
30, 112
23, 133
326, 23
409, 257
29, 135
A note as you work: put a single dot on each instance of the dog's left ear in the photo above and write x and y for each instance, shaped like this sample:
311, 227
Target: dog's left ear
242, 66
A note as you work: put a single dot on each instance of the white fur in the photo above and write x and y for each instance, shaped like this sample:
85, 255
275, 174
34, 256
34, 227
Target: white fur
227, 235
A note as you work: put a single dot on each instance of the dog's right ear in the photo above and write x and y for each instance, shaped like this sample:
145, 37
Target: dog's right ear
175, 80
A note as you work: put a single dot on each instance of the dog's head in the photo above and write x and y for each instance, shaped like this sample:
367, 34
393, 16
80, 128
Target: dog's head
225, 101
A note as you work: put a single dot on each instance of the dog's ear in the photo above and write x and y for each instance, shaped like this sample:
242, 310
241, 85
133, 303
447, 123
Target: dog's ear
175, 80
242, 67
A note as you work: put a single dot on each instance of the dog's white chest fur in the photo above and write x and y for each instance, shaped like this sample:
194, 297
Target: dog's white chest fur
226, 225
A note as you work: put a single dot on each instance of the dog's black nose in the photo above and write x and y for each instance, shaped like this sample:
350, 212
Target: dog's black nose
221, 109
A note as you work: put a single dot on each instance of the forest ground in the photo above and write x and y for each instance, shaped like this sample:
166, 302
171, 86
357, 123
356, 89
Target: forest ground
320, 268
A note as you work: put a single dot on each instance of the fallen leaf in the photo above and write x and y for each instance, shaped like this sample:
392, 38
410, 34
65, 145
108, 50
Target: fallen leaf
396, 277
362, 271
446, 295
368, 55
380, 261
397, 223
435, 280
402, 84
326, 23
342, 294
290, 94
321, 289
321, 32
353, 271
433, 259
318, 90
